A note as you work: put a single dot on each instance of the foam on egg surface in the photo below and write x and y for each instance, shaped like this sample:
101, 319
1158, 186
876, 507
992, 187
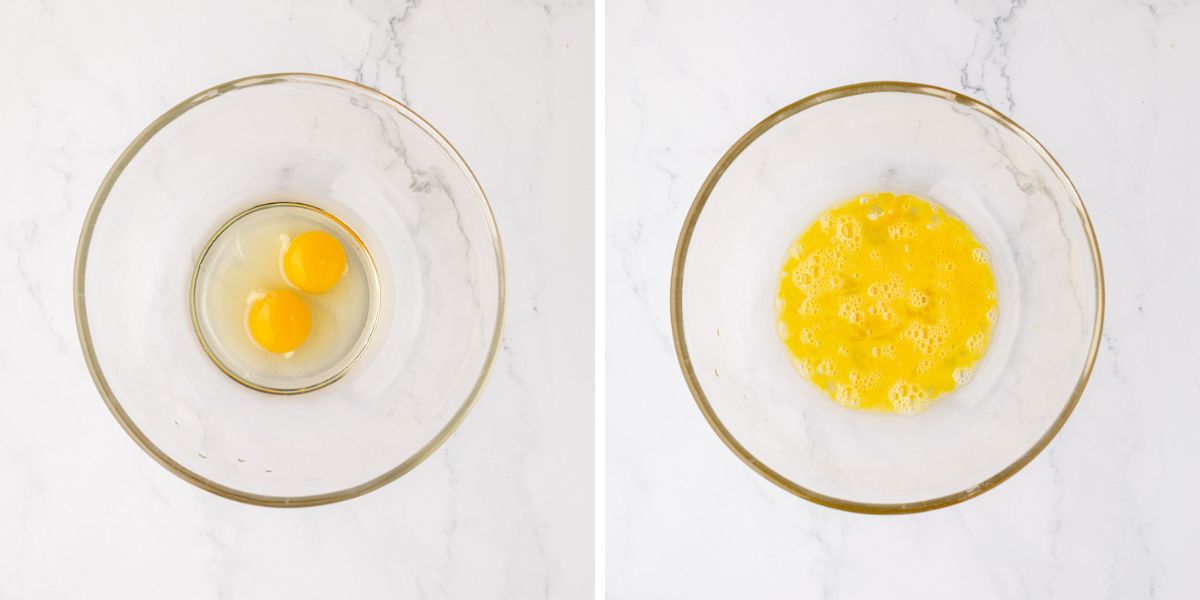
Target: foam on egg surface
887, 302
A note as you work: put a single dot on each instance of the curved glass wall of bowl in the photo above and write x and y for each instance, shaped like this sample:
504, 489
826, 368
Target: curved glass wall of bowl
904, 138
368, 161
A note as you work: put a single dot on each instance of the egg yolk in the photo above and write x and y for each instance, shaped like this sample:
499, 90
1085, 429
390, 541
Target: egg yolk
314, 261
278, 321
887, 302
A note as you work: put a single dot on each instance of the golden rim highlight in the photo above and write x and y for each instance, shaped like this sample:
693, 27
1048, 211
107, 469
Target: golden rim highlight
676, 308
114, 404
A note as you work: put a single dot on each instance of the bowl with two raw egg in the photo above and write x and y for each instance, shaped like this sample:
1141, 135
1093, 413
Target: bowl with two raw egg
887, 298
289, 289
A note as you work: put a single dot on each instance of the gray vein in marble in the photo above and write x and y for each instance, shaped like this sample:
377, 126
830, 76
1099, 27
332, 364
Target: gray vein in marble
524, 496
1031, 185
990, 55
559, 8
1163, 9
450, 529
425, 180
33, 289
1056, 510
391, 56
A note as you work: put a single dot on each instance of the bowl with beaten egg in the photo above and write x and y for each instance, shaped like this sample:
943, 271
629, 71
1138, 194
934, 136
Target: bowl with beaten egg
887, 297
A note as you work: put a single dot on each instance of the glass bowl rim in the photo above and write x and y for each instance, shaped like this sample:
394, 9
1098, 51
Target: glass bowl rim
84, 332
680, 259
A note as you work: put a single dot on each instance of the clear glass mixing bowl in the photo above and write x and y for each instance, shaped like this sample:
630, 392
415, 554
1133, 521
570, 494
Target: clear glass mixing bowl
362, 157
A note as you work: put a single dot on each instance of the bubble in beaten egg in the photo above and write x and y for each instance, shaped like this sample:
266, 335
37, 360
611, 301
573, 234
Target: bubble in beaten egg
962, 375
907, 398
975, 343
847, 396
863, 380
885, 312
806, 307
851, 310
803, 366
900, 231
847, 232
918, 299
807, 337
827, 368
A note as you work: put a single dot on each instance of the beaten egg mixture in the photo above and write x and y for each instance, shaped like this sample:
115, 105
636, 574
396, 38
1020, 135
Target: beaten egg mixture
887, 302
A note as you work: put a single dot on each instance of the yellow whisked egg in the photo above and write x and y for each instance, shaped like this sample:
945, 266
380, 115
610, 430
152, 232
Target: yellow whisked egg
887, 302
285, 298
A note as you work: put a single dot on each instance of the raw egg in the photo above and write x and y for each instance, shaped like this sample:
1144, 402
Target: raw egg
285, 297
314, 261
278, 321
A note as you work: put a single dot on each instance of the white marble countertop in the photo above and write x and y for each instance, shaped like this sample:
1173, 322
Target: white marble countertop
503, 510
1108, 510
